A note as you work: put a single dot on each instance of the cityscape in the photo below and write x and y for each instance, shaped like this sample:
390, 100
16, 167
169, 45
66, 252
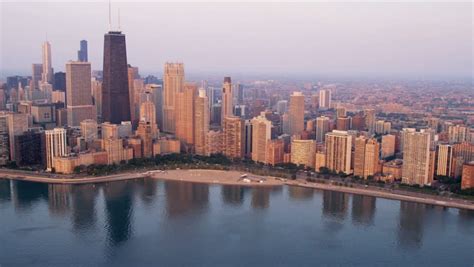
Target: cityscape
360, 139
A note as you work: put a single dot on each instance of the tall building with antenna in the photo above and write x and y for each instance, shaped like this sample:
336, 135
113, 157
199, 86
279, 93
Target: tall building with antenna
115, 93
47, 75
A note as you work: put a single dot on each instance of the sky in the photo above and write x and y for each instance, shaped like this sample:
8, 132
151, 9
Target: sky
424, 39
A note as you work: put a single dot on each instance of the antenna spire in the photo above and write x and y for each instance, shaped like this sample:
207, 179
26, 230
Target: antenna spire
110, 16
119, 19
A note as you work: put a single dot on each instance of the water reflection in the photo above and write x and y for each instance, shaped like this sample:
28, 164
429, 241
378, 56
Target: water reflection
335, 204
261, 197
148, 188
363, 209
59, 202
84, 215
410, 228
182, 197
26, 194
233, 194
119, 211
300, 193
5, 191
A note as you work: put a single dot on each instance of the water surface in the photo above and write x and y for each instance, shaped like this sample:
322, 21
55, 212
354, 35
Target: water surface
165, 223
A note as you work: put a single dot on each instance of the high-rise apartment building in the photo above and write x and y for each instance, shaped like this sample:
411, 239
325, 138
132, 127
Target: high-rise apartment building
303, 152
275, 151
78, 91
146, 132
457, 133
416, 158
366, 157
261, 134
467, 181
227, 100
383, 127
325, 99
296, 113
214, 140
184, 114
343, 123
115, 94
370, 120
445, 160
133, 93
322, 127
388, 146
56, 146
234, 137
201, 122
338, 151
82, 52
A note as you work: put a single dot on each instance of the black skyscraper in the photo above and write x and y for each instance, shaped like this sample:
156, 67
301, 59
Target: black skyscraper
115, 98
60, 81
82, 53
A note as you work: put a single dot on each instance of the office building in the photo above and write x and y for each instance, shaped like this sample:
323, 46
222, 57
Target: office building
78, 91
115, 94
325, 99
322, 127
47, 76
173, 82
296, 113
82, 52
227, 100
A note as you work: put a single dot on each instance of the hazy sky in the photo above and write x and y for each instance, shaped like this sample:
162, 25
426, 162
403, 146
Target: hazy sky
416, 39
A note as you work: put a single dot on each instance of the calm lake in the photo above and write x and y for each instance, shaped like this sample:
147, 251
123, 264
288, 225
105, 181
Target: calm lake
160, 223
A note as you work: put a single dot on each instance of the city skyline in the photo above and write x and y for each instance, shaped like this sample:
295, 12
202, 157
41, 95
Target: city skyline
356, 39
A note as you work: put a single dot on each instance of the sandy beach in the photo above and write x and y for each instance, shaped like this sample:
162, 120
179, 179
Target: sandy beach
218, 177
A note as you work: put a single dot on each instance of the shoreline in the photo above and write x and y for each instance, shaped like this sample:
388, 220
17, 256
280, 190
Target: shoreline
222, 177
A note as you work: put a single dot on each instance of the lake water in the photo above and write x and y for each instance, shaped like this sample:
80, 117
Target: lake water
151, 222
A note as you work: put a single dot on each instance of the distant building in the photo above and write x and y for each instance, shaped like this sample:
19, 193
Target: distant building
388, 146
82, 54
47, 76
227, 100
370, 120
322, 127
325, 99
296, 113
60, 81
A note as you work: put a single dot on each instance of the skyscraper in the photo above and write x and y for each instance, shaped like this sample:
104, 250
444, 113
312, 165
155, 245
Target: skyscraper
366, 157
445, 160
82, 52
47, 75
296, 113
324, 99
416, 158
388, 146
201, 122
115, 95
234, 137
227, 100
338, 151
261, 134
37, 75
78, 90
173, 81
133, 92
184, 114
